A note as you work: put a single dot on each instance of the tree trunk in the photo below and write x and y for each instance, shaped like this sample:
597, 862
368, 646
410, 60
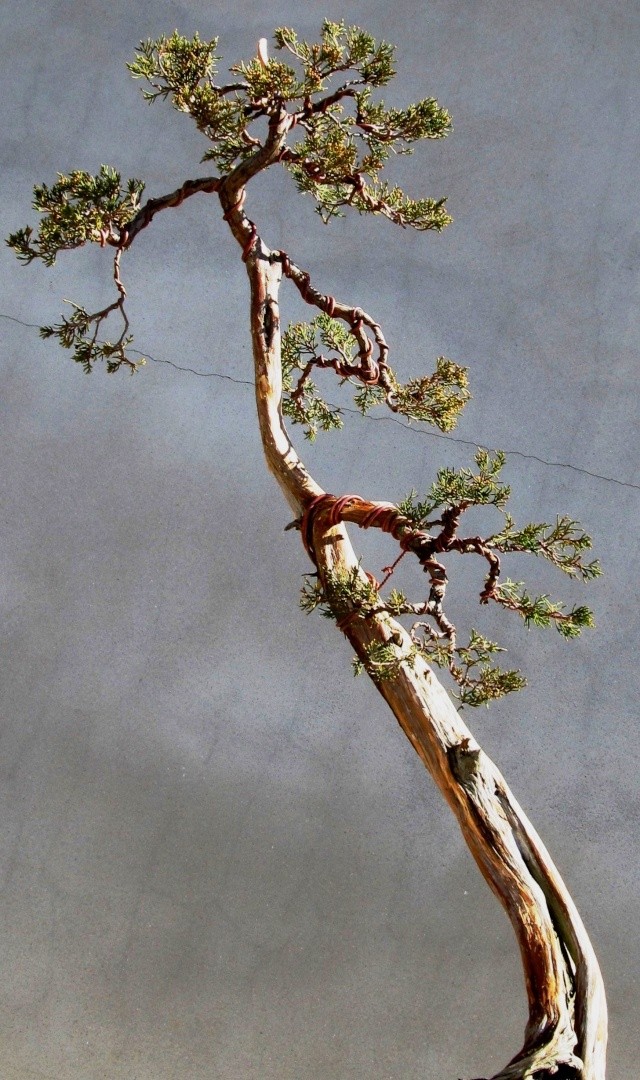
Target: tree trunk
566, 1033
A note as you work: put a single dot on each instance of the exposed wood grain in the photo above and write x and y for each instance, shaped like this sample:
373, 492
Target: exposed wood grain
566, 1033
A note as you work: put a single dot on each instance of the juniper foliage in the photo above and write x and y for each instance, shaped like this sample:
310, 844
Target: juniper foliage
432, 529
325, 342
79, 334
77, 209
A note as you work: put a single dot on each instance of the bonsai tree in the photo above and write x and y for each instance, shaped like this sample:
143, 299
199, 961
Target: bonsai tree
316, 112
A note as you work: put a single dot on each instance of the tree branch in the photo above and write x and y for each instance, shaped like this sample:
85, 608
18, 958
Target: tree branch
370, 371
146, 213
321, 106
361, 198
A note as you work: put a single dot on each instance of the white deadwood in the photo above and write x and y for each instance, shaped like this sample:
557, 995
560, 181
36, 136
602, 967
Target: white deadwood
566, 1033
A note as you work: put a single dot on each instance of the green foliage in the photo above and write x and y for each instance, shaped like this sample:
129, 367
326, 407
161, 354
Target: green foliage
436, 399
489, 682
541, 611
472, 666
312, 411
342, 149
326, 160
367, 397
77, 208
174, 66
268, 83
481, 681
181, 69
396, 602
345, 592
312, 595
339, 158
334, 189
461, 488
301, 401
563, 544
80, 333
383, 661
392, 203
326, 342
381, 127
352, 594
341, 48
304, 339
343, 140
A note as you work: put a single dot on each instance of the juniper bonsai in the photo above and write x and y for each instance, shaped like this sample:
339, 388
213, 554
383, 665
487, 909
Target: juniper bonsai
317, 113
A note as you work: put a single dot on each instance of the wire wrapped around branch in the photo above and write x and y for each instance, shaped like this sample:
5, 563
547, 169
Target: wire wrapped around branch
366, 514
348, 598
370, 370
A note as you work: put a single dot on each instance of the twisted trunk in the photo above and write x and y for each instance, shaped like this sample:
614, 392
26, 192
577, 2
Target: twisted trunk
566, 1033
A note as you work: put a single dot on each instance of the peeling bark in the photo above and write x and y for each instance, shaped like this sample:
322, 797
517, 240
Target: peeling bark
565, 1037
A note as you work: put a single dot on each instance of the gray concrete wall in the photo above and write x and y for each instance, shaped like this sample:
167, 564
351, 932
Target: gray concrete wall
219, 858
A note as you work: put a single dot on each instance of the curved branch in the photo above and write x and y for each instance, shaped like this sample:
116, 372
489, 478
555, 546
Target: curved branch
232, 190
371, 372
321, 106
146, 213
208, 184
360, 196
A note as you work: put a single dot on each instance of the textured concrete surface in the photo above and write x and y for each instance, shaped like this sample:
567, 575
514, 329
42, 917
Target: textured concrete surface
219, 858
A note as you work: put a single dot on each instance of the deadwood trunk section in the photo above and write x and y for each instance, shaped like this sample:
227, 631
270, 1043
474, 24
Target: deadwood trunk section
565, 1037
